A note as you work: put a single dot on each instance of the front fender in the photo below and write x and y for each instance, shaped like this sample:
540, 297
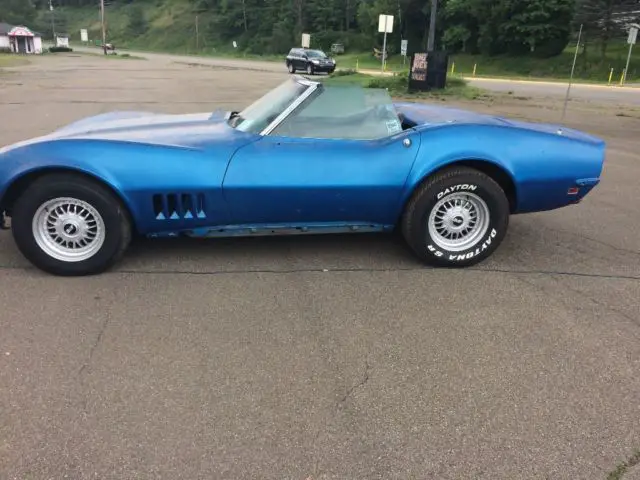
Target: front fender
136, 172
18, 164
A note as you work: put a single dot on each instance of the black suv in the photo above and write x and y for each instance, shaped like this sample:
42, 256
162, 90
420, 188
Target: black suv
311, 61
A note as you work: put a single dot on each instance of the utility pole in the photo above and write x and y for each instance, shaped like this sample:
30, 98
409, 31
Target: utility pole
104, 30
197, 35
244, 14
432, 26
53, 22
573, 67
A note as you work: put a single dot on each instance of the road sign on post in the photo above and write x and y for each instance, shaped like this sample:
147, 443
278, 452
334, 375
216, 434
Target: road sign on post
633, 37
403, 47
403, 50
385, 25
306, 40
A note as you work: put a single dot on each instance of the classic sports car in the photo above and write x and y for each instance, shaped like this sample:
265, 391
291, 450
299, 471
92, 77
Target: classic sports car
305, 158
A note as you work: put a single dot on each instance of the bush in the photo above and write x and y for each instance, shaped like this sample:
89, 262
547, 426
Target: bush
395, 83
552, 47
60, 49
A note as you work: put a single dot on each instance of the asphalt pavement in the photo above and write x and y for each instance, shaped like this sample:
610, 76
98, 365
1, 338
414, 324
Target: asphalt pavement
334, 357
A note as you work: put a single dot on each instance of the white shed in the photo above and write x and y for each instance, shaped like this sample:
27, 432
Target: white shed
19, 39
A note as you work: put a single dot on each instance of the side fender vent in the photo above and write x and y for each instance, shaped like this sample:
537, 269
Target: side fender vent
179, 206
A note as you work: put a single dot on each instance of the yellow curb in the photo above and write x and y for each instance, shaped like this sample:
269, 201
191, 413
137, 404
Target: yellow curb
545, 82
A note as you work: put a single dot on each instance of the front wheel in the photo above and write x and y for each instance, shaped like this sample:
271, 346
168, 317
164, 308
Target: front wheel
70, 226
457, 218
309, 69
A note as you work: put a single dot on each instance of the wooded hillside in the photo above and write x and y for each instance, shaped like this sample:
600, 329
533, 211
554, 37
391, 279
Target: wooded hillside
539, 28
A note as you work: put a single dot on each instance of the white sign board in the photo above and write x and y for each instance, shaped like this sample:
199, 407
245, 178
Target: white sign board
84, 35
385, 24
235, 44
62, 41
403, 47
306, 40
633, 36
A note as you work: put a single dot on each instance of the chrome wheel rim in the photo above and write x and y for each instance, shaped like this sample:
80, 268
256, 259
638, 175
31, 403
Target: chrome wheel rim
459, 221
68, 229
309, 69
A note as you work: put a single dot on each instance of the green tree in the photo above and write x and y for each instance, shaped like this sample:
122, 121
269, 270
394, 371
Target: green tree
17, 12
137, 23
518, 27
541, 27
597, 18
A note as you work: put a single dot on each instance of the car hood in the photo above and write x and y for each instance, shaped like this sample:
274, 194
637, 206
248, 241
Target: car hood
425, 114
186, 131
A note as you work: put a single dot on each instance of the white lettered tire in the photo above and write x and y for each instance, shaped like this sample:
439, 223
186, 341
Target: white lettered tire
69, 225
457, 218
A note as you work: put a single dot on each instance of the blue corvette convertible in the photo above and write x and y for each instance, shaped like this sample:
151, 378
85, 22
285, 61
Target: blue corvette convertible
305, 158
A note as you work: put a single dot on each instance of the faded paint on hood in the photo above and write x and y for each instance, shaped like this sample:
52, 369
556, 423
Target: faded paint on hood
182, 131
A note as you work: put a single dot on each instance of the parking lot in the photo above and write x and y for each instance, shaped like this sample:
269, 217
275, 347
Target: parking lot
333, 357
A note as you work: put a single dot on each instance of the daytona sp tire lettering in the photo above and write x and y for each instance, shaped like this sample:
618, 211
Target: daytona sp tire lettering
456, 218
457, 188
469, 255
477, 251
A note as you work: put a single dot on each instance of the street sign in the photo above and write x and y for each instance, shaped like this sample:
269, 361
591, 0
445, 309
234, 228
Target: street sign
84, 35
403, 47
306, 40
385, 24
633, 36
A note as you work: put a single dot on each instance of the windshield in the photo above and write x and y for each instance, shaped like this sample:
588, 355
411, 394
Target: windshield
315, 54
343, 112
257, 116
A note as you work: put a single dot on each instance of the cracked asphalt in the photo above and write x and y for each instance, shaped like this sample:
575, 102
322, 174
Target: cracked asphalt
332, 357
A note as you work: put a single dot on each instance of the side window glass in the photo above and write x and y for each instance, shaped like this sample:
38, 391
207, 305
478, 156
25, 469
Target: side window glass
343, 113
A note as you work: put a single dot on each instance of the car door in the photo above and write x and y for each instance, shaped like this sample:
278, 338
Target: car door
290, 180
301, 59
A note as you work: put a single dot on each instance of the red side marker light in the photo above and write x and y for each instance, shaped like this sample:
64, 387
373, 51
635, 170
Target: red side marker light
573, 191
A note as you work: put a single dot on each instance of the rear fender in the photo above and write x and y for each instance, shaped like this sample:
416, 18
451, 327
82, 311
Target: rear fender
542, 166
442, 147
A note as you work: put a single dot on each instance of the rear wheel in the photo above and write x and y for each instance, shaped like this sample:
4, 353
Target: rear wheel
457, 218
71, 226
291, 68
